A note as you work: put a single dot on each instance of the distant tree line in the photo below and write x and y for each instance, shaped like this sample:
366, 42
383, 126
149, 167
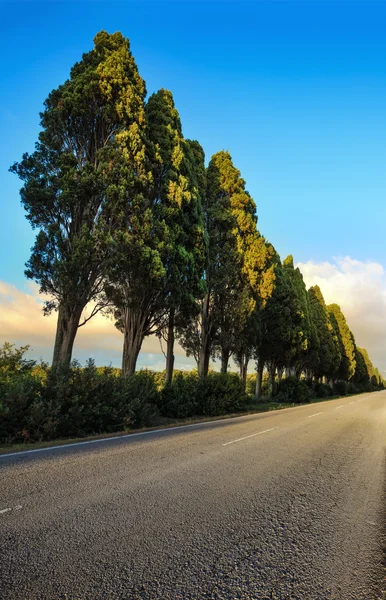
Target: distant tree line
132, 222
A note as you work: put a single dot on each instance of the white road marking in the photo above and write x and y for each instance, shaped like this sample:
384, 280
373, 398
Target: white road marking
5, 510
315, 415
249, 436
116, 438
351, 402
341, 406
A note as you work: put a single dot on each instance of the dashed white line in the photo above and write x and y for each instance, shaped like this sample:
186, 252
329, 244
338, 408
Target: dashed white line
315, 415
249, 436
351, 402
5, 510
341, 406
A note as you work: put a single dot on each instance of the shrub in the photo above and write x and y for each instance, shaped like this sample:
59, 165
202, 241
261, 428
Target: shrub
12, 361
179, 399
25, 412
138, 397
341, 388
292, 389
353, 388
159, 379
220, 393
94, 400
322, 390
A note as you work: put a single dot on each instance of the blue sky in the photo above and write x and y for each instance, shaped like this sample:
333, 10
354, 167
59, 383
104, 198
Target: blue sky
295, 90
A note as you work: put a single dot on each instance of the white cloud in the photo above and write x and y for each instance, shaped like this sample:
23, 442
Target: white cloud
360, 290
22, 322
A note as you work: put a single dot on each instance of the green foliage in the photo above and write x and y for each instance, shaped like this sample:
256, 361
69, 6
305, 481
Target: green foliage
179, 398
13, 362
347, 364
353, 389
75, 402
215, 394
322, 390
86, 170
275, 335
326, 353
220, 393
301, 318
292, 389
340, 388
94, 402
25, 411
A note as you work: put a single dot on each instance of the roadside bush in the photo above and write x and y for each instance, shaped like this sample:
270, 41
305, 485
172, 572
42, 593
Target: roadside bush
322, 390
94, 400
12, 361
159, 379
352, 388
292, 389
25, 412
341, 388
138, 396
221, 393
250, 386
178, 400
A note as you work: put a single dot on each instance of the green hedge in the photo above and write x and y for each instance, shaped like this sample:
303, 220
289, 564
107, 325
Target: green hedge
292, 389
35, 404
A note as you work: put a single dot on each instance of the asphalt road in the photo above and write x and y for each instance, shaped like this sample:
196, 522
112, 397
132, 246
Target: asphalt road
285, 505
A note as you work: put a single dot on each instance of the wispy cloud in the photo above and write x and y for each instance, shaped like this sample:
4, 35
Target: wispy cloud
360, 289
22, 322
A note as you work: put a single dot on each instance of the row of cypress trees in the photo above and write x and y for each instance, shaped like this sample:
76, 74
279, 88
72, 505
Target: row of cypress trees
132, 222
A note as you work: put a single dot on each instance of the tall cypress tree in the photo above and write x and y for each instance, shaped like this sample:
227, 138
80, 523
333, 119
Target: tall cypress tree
326, 359
302, 330
165, 246
88, 164
346, 368
274, 342
177, 190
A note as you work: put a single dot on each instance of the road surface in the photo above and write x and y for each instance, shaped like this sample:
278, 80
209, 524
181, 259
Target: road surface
285, 505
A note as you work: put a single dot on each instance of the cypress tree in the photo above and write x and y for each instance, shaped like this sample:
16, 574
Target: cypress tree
301, 320
177, 189
346, 367
166, 243
86, 168
275, 334
326, 357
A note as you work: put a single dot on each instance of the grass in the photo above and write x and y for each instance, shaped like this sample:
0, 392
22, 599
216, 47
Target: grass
164, 423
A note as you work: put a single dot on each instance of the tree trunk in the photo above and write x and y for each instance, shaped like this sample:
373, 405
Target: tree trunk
203, 363
272, 373
66, 330
244, 368
133, 336
259, 378
225, 353
205, 347
280, 373
170, 349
